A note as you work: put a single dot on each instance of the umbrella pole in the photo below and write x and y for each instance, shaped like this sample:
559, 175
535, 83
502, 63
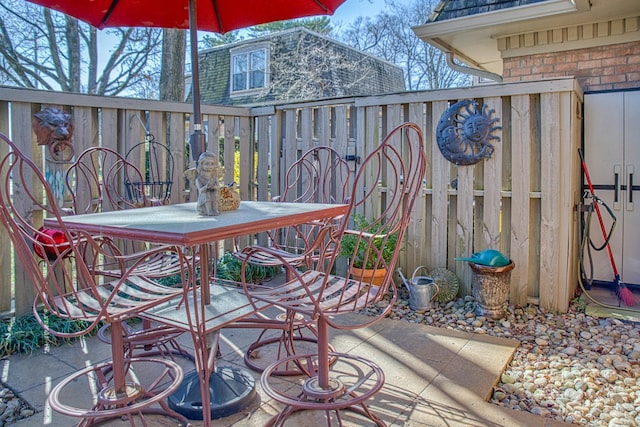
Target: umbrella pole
197, 140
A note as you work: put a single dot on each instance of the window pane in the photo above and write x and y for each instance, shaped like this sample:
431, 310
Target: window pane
239, 82
258, 60
240, 64
249, 70
257, 79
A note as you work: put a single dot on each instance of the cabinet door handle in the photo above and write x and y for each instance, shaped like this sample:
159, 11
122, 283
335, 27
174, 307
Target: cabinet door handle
618, 186
630, 172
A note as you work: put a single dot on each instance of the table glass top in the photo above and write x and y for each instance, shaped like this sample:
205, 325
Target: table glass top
181, 224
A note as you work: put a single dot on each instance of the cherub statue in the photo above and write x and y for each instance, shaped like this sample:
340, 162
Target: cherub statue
207, 180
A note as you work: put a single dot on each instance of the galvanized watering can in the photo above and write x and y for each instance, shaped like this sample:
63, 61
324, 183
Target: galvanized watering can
422, 289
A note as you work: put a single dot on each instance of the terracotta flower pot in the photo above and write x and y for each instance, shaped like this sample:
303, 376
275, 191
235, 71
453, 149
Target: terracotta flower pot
375, 277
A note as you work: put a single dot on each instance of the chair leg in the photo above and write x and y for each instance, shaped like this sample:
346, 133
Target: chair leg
296, 332
150, 341
359, 379
350, 382
115, 389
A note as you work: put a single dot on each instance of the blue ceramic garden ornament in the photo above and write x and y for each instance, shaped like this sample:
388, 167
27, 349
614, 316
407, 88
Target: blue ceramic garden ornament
489, 257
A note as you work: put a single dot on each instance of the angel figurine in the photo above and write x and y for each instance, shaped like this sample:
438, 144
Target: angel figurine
208, 173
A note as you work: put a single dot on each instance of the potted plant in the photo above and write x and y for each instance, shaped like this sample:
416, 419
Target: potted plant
367, 264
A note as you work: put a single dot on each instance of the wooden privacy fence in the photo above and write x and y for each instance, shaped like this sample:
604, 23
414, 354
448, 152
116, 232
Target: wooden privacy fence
120, 124
521, 201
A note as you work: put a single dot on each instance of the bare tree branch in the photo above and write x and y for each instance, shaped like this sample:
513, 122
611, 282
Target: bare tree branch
313, 68
389, 36
46, 49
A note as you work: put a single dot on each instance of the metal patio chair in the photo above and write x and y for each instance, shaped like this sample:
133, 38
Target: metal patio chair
320, 175
394, 172
99, 180
96, 182
63, 267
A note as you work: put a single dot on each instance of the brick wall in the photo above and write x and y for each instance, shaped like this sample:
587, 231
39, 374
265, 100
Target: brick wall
598, 68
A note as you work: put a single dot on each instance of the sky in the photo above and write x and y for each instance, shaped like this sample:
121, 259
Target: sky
351, 9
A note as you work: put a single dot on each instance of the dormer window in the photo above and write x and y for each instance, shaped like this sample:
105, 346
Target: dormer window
249, 69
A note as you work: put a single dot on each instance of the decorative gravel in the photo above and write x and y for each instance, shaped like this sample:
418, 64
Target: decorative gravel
12, 408
570, 367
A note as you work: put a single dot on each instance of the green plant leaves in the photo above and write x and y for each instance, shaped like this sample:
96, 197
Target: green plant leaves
230, 268
379, 245
24, 334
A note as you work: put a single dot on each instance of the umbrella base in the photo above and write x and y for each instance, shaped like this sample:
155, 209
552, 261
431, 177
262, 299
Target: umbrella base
230, 390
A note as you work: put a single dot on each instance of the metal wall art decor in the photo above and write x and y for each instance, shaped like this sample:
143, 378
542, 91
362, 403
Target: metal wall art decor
464, 132
53, 128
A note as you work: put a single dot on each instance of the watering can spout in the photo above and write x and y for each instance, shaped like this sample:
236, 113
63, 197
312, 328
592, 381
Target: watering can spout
404, 279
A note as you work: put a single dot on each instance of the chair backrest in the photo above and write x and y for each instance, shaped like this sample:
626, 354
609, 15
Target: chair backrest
97, 182
386, 186
63, 266
320, 175
43, 253
157, 172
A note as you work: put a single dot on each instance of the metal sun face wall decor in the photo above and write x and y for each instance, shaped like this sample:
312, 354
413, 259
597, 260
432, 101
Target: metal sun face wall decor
464, 132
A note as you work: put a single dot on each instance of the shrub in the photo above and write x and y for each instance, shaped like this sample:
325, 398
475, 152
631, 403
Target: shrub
230, 268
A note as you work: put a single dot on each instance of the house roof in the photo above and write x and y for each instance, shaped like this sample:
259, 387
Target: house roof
480, 33
347, 71
450, 9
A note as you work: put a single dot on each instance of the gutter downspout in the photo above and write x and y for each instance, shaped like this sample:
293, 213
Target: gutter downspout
472, 71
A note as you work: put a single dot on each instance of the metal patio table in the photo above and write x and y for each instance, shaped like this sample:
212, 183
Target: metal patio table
180, 224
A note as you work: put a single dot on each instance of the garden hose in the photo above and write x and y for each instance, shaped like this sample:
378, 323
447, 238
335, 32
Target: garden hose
584, 229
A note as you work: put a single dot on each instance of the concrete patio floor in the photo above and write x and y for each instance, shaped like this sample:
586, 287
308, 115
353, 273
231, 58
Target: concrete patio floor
434, 377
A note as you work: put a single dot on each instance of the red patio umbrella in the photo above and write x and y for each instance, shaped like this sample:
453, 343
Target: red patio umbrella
219, 16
